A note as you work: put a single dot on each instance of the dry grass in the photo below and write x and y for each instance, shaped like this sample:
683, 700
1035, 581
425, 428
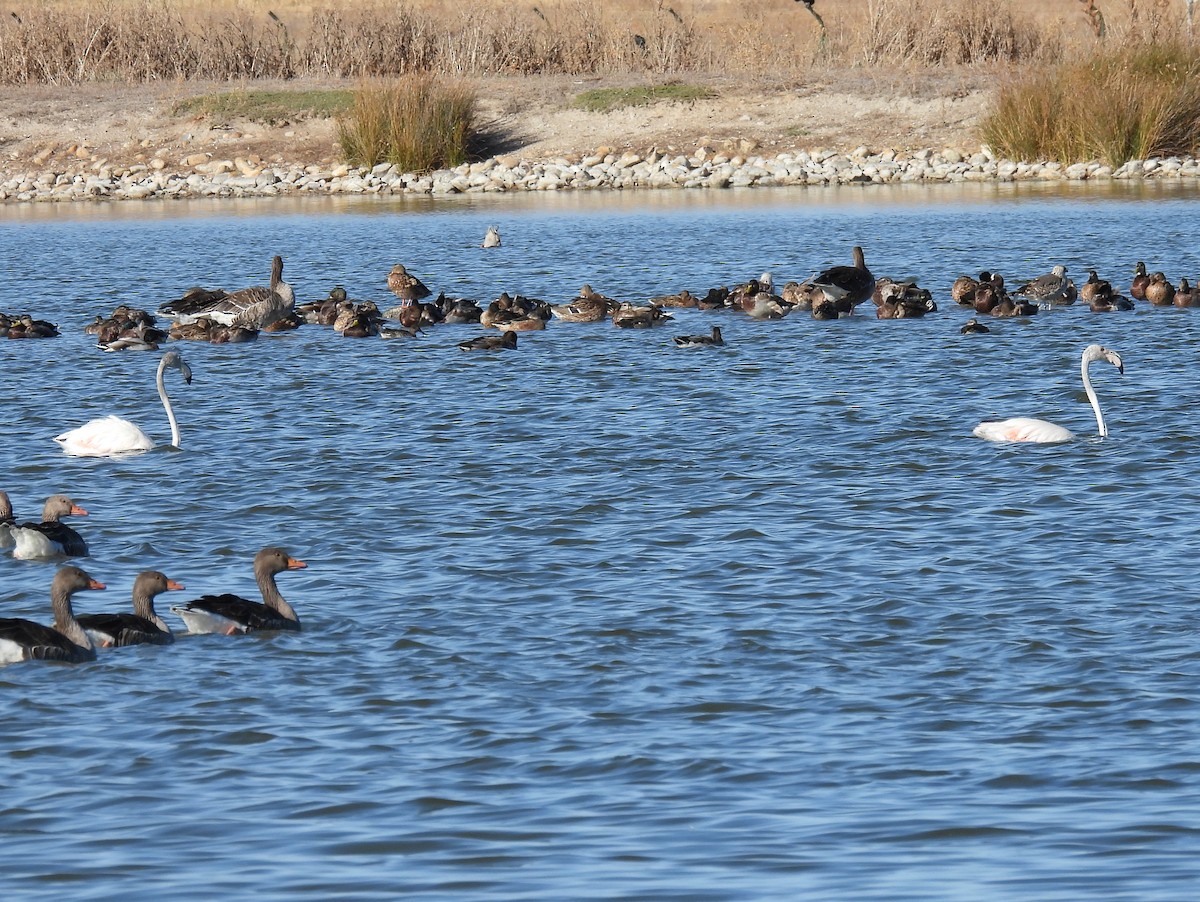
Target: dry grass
417, 122
75, 41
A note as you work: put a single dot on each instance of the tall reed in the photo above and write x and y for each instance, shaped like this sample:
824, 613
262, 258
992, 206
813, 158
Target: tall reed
419, 122
1138, 100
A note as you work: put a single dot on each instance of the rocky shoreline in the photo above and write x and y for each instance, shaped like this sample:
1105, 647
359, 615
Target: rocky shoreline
198, 176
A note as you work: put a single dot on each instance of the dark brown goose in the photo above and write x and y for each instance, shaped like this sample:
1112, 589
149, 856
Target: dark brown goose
66, 640
143, 626
230, 614
851, 284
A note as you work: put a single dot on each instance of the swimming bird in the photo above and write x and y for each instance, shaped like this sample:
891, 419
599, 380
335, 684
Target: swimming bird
1137, 288
1052, 288
405, 285
492, 238
230, 614
683, 298
1094, 288
1028, 429
504, 341
143, 626
700, 341
66, 640
637, 316
7, 522
1159, 291
973, 327
589, 306
248, 308
1186, 295
847, 285
111, 435
50, 538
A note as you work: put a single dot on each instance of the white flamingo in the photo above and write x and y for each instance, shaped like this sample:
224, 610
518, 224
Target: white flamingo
111, 435
1028, 429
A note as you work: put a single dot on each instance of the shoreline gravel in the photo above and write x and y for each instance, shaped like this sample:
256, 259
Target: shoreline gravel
201, 177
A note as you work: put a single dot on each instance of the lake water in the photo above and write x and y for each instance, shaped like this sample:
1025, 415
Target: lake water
604, 619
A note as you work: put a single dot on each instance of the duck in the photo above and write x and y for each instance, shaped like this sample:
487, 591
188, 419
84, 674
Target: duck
197, 330
248, 308
634, 316
7, 522
505, 341
901, 300
1186, 295
1159, 291
1110, 302
25, 326
491, 238
588, 306
405, 285
1052, 288
231, 335
714, 298
66, 640
701, 341
973, 327
756, 300
1137, 288
230, 614
50, 538
962, 291
684, 299
1094, 288
850, 284
143, 626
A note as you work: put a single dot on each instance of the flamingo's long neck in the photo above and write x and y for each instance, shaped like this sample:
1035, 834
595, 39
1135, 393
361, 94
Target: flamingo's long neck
1091, 394
162, 393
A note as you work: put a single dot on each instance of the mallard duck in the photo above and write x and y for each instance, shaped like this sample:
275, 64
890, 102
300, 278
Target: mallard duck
973, 327
700, 341
588, 307
962, 292
230, 614
683, 299
1159, 291
405, 285
1094, 288
1137, 288
506, 341
633, 316
757, 301
143, 626
1186, 295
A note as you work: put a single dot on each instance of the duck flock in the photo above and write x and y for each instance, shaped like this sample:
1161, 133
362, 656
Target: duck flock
218, 316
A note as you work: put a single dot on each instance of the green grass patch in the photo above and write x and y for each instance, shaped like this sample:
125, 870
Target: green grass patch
270, 107
603, 100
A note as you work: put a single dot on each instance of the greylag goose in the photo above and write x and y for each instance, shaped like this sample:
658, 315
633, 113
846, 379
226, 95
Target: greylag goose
846, 286
50, 538
6, 521
249, 308
143, 626
111, 435
230, 614
25, 640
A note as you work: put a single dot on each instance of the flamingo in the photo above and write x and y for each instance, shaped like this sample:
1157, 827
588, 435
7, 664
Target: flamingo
111, 435
1028, 429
